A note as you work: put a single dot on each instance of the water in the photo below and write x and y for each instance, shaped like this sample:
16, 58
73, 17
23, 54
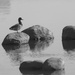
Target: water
54, 15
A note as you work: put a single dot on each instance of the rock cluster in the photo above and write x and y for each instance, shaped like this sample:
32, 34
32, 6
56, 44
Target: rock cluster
50, 64
33, 33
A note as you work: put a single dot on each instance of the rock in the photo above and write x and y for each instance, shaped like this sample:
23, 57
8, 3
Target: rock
53, 64
16, 38
30, 66
38, 32
68, 33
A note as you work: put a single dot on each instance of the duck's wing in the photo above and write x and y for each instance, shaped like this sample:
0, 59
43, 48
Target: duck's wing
15, 27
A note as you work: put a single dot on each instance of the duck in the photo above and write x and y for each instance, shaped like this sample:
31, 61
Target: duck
17, 26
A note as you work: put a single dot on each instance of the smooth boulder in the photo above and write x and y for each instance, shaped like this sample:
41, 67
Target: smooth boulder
38, 32
53, 64
16, 38
68, 33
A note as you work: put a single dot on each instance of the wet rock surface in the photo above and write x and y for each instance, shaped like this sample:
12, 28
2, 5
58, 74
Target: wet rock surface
68, 33
38, 32
15, 39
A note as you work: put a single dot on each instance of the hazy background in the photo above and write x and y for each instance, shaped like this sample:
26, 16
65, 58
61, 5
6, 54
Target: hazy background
52, 14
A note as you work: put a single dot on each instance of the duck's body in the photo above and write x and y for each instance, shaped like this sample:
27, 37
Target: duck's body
17, 26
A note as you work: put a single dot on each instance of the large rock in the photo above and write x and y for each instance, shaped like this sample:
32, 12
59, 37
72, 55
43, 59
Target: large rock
16, 38
38, 32
68, 33
53, 64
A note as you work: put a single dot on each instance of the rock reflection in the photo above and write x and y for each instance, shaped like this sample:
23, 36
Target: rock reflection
39, 45
58, 72
69, 45
4, 6
17, 52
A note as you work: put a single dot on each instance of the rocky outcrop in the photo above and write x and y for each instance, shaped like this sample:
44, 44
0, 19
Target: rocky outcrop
15, 38
68, 33
53, 64
38, 32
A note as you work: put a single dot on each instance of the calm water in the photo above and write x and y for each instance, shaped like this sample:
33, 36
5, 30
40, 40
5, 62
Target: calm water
54, 15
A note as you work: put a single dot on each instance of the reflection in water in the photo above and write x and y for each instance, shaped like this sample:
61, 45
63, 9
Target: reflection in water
4, 6
69, 45
39, 45
17, 52
57, 72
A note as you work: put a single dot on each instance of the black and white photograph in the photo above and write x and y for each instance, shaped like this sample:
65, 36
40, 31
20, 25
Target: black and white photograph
37, 37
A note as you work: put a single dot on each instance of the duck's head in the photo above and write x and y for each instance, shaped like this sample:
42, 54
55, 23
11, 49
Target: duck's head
20, 18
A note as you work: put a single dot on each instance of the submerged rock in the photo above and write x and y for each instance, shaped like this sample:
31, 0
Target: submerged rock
38, 32
53, 64
16, 38
68, 33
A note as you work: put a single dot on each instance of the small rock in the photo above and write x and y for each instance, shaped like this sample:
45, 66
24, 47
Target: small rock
16, 38
53, 63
